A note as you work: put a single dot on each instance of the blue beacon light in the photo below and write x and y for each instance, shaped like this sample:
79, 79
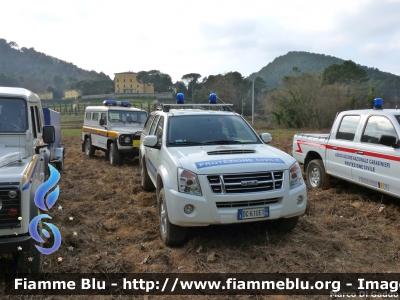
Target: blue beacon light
378, 103
110, 103
213, 98
180, 98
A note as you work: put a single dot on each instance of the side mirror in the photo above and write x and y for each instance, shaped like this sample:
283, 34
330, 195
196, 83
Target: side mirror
101, 122
266, 137
150, 141
49, 135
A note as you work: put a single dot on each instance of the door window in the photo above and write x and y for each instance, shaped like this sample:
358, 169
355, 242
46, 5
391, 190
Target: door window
378, 129
347, 128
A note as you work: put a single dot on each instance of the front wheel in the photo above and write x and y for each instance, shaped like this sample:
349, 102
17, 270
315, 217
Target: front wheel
147, 184
316, 175
171, 235
287, 224
89, 149
29, 261
114, 155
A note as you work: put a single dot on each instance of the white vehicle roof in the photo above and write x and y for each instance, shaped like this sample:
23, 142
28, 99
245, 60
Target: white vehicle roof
20, 92
385, 112
107, 108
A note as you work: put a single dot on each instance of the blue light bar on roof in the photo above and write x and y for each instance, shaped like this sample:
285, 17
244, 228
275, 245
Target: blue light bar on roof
180, 98
117, 103
378, 103
213, 98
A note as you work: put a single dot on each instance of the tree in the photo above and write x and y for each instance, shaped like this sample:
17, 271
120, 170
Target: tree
180, 87
191, 80
305, 101
161, 82
344, 73
371, 96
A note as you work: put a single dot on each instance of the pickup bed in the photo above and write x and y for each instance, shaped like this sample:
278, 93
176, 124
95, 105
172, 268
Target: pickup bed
363, 147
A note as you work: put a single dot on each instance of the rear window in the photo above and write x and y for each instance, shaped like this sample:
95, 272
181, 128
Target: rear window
347, 128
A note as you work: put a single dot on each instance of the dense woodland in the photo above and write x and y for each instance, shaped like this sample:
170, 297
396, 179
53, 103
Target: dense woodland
299, 89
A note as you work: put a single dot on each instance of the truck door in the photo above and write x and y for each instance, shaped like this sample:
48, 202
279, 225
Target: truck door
377, 161
340, 147
152, 160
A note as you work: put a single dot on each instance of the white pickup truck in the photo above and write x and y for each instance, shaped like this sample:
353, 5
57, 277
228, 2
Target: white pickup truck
209, 166
363, 147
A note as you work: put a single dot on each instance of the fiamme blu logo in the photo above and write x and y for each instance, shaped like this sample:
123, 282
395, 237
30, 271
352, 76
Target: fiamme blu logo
51, 199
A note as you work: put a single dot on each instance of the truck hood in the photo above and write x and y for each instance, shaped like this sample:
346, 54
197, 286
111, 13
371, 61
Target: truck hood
9, 155
230, 159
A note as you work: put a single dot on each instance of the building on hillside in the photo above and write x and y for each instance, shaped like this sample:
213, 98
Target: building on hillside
126, 82
72, 94
46, 96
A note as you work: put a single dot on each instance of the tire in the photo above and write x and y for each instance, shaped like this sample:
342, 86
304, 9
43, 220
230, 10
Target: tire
89, 149
316, 175
171, 235
287, 224
114, 155
25, 265
147, 184
60, 165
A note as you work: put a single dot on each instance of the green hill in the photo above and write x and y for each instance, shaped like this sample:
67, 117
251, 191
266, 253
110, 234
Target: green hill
386, 83
41, 73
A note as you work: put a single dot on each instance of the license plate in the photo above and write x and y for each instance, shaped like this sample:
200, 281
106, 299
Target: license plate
253, 213
136, 143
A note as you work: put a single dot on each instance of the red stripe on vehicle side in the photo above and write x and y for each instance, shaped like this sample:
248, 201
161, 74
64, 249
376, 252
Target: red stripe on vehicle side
352, 150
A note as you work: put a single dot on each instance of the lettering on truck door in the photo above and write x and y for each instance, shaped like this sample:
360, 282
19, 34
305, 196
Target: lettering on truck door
377, 164
340, 147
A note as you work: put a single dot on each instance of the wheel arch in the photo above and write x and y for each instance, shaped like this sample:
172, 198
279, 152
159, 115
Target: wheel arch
311, 156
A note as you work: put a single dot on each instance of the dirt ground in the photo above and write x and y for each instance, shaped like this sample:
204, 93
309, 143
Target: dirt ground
115, 228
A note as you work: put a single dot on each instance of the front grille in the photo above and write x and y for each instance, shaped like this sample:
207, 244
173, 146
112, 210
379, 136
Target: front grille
225, 152
246, 182
7, 203
246, 203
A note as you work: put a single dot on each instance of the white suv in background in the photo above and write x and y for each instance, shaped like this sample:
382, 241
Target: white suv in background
209, 166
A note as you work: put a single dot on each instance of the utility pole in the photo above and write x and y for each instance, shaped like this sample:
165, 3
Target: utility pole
252, 104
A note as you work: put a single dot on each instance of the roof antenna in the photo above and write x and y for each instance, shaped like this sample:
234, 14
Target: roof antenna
395, 99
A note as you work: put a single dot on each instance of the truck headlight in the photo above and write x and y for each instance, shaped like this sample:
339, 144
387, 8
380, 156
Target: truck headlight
188, 182
295, 176
127, 140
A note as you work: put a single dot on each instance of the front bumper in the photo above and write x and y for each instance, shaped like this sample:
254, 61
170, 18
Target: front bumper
207, 213
10, 245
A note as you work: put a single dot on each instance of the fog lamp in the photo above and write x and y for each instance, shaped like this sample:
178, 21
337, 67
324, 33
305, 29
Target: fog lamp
299, 199
188, 209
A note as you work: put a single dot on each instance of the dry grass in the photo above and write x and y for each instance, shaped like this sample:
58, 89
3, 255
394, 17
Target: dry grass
344, 229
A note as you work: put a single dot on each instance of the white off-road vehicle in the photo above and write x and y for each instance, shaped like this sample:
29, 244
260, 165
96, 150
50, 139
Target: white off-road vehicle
113, 128
29, 140
209, 166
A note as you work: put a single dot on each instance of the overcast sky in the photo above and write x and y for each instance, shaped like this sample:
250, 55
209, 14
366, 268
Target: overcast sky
206, 37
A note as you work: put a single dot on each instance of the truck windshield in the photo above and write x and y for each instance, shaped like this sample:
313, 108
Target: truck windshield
125, 116
209, 130
13, 117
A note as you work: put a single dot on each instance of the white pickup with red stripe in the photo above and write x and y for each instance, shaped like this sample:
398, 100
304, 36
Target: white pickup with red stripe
363, 147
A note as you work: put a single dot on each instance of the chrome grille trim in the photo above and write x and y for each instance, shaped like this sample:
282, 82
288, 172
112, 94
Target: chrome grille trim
251, 203
235, 151
237, 183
